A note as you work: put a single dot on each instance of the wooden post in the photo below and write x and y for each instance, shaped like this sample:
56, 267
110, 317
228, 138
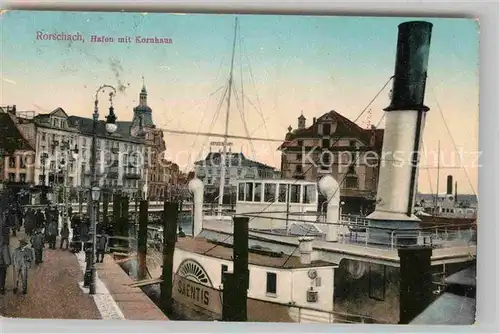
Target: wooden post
236, 284
142, 239
170, 212
124, 216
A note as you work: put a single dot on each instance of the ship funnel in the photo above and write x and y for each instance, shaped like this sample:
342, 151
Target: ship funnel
195, 186
410, 73
449, 185
329, 187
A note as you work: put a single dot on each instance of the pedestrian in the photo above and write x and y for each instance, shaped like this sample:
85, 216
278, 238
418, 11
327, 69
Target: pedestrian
29, 222
38, 244
22, 259
39, 219
52, 232
5, 260
65, 235
101, 243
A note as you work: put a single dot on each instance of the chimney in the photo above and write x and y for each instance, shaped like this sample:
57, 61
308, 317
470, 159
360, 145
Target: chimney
415, 282
306, 249
314, 120
449, 185
456, 192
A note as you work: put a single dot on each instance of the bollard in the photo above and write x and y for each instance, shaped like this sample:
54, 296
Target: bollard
170, 214
142, 239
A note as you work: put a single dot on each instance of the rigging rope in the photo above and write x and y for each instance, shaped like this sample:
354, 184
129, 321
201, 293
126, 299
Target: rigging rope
312, 165
453, 141
331, 197
244, 122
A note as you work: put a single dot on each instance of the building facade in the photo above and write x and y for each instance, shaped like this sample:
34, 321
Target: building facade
237, 167
334, 144
156, 167
16, 151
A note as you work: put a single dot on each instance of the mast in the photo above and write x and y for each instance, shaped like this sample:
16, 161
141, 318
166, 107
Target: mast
437, 185
224, 152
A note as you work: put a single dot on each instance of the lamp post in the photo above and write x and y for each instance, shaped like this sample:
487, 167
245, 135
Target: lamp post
111, 127
65, 169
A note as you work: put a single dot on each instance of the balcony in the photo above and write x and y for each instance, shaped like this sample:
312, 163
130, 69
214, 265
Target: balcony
132, 176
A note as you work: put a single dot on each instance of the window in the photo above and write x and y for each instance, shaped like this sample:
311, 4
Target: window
327, 129
282, 193
258, 192
23, 161
223, 269
12, 162
351, 181
295, 193
12, 177
271, 283
300, 142
352, 143
309, 195
299, 157
209, 181
325, 143
22, 178
298, 168
249, 192
269, 192
241, 192
43, 136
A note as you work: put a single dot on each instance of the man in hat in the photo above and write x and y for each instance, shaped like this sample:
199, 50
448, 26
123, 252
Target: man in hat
22, 258
101, 243
38, 243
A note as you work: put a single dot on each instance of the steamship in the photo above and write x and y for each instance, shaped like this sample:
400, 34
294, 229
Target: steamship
306, 266
445, 209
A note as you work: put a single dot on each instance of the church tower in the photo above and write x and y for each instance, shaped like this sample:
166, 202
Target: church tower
143, 114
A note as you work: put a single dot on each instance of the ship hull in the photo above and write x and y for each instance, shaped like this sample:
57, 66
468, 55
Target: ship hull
447, 222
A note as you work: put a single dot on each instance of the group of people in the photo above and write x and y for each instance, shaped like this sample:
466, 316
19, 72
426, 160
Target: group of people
41, 228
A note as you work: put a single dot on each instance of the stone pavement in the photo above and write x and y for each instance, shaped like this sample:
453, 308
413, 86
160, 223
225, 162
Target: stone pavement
53, 291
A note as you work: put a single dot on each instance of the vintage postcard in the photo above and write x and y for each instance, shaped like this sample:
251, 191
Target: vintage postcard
260, 168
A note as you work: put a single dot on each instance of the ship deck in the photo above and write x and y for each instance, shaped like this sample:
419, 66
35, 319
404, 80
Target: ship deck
202, 246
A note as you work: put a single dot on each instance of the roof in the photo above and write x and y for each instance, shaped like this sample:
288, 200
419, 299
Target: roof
345, 128
85, 125
465, 277
12, 139
236, 159
203, 246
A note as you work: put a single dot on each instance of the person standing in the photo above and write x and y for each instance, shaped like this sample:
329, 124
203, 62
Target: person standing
101, 243
5, 260
38, 243
29, 222
52, 232
22, 258
65, 235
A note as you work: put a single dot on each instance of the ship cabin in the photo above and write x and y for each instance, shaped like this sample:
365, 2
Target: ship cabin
277, 204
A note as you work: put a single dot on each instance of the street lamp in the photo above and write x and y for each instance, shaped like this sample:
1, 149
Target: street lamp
111, 127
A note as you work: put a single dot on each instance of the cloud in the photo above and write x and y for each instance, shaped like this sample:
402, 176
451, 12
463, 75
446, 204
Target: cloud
9, 81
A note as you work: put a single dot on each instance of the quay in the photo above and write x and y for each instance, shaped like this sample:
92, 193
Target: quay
55, 291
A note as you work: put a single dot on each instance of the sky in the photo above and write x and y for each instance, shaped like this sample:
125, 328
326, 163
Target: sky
283, 65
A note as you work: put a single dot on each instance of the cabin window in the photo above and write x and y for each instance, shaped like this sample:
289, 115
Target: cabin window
309, 195
223, 269
249, 192
271, 283
258, 192
299, 157
241, 192
300, 142
295, 193
298, 168
282, 193
376, 281
269, 192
